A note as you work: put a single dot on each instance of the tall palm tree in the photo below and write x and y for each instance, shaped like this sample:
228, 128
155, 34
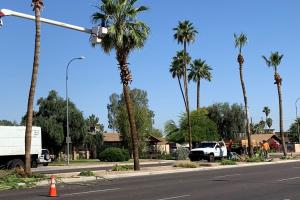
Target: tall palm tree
274, 61
125, 33
176, 69
185, 33
269, 122
37, 6
199, 70
267, 111
240, 41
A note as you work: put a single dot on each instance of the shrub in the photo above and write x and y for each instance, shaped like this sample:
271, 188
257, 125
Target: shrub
182, 153
122, 167
113, 154
186, 164
228, 162
86, 173
255, 159
165, 156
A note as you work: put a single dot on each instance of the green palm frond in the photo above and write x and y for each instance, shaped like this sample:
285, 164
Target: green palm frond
177, 64
240, 41
125, 32
185, 32
274, 60
200, 70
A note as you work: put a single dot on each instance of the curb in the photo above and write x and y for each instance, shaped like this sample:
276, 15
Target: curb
175, 170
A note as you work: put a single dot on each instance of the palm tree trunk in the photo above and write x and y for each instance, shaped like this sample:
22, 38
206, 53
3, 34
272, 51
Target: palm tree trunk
32, 92
187, 98
198, 95
246, 111
181, 90
281, 120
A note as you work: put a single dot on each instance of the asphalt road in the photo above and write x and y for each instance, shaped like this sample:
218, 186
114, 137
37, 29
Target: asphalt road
56, 170
268, 182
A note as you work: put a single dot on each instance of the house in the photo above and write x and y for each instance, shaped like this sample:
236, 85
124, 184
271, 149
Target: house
112, 140
257, 140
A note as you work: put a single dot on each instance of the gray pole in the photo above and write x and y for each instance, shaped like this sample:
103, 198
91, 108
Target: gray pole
68, 139
297, 118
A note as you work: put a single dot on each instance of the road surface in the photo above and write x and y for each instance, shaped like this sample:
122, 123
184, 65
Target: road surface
267, 182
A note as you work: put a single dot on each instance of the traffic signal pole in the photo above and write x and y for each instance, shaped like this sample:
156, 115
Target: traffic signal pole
96, 32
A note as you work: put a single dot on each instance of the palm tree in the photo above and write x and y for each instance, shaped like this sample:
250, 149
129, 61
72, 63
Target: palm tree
240, 42
274, 61
267, 111
37, 6
185, 34
269, 122
176, 69
199, 70
125, 33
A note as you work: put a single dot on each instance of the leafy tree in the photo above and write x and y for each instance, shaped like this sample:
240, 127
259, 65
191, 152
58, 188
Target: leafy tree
274, 61
199, 70
185, 33
294, 131
112, 109
94, 139
229, 119
125, 33
51, 117
240, 42
142, 113
37, 6
203, 128
176, 69
8, 123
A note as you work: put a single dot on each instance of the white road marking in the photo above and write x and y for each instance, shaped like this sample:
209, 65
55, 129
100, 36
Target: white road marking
296, 167
92, 191
176, 197
287, 179
229, 175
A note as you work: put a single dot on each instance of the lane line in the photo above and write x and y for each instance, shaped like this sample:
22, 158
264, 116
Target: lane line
227, 176
296, 167
92, 191
176, 197
287, 179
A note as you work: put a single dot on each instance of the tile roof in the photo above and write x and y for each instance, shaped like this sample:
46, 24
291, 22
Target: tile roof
111, 137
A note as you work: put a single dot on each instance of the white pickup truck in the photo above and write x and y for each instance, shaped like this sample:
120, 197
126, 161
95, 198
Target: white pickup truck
209, 151
12, 147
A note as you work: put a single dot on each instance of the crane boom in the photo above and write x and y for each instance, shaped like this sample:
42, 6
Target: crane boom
96, 32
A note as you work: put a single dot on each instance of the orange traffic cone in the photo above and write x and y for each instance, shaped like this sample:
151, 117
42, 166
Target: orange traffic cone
52, 190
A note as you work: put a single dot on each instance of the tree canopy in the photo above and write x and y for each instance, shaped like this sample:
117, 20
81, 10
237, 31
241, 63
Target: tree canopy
230, 119
51, 117
202, 128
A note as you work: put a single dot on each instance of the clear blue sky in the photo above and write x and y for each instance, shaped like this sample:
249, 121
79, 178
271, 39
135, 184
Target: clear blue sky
271, 25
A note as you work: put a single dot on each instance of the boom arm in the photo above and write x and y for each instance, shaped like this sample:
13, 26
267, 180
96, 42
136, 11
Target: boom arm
96, 32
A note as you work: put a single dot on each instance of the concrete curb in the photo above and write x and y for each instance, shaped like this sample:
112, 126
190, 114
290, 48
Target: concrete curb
141, 173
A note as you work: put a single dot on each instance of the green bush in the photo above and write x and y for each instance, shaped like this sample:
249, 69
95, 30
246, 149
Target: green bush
165, 156
86, 173
113, 154
228, 162
182, 153
255, 159
122, 167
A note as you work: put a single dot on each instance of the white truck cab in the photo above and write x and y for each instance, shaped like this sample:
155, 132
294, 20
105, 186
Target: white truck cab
209, 150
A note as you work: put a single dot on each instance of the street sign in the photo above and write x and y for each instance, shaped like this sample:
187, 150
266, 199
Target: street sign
68, 140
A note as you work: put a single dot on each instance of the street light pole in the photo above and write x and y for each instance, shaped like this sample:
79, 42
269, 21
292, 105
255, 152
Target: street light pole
68, 139
297, 118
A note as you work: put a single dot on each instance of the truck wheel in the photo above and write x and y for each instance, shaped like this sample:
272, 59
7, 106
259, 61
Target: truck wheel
34, 164
45, 164
211, 158
16, 163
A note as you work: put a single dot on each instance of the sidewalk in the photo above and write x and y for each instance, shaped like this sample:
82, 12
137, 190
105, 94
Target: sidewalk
104, 175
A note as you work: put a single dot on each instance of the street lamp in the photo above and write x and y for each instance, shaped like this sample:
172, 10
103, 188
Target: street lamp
297, 118
68, 139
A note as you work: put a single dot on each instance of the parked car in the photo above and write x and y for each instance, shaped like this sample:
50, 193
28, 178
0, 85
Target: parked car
44, 158
209, 150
